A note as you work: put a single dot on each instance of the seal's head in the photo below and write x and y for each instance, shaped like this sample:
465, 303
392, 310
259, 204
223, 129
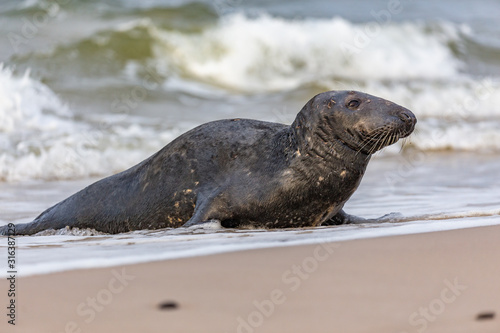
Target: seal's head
361, 122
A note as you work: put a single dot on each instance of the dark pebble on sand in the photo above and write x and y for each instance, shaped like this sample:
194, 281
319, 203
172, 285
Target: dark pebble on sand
168, 305
485, 316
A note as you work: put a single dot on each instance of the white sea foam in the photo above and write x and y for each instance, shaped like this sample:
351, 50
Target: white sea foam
41, 139
268, 53
26, 104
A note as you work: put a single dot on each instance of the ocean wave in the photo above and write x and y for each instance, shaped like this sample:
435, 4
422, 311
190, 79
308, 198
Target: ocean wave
24, 100
243, 54
41, 139
413, 64
267, 53
480, 136
264, 53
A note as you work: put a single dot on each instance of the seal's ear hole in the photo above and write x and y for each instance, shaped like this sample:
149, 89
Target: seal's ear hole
353, 104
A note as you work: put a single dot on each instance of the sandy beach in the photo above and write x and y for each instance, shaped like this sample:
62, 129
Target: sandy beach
432, 282
91, 88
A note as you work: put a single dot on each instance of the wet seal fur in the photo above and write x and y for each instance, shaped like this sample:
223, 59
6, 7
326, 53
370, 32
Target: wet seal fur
244, 172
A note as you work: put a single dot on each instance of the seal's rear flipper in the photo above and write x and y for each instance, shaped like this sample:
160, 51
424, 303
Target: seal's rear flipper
4, 231
29, 228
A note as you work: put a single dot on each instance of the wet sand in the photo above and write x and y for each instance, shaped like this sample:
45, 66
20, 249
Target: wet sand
433, 282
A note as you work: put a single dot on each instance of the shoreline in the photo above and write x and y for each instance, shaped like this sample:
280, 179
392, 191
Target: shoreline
443, 281
76, 250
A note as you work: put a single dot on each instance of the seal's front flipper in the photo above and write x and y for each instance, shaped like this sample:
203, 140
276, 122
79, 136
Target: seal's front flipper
198, 217
206, 210
391, 217
202, 224
344, 218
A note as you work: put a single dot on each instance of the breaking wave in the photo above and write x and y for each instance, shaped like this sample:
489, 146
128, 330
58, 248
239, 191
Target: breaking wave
419, 65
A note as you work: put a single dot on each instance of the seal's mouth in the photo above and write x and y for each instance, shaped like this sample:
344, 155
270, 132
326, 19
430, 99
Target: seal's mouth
381, 137
370, 141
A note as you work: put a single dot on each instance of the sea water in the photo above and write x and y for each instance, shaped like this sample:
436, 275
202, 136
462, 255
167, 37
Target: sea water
88, 89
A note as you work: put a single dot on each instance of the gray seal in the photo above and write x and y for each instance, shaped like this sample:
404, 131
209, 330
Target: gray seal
244, 172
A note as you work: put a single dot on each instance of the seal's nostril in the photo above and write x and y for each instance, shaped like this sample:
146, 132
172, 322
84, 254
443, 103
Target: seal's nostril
405, 117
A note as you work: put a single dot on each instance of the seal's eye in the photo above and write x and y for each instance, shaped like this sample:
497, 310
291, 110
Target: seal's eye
353, 104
